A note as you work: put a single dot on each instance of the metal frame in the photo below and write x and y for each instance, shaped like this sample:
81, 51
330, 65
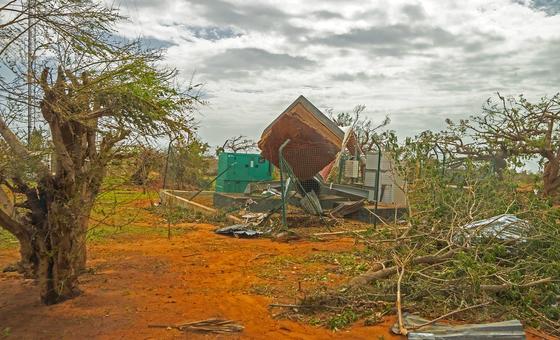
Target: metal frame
282, 188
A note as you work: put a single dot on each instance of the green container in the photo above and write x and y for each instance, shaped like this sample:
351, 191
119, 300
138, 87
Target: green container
244, 168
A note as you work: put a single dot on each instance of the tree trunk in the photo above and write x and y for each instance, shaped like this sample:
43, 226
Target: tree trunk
551, 177
62, 246
29, 262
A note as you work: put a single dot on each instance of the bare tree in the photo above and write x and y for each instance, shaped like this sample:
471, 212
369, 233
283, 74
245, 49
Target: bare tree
366, 131
513, 129
237, 143
97, 98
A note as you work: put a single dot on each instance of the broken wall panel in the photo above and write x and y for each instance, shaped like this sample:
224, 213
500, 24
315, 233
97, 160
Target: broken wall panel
315, 140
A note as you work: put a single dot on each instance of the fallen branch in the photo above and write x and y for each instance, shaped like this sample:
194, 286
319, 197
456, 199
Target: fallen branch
444, 316
402, 328
376, 273
341, 232
506, 286
219, 326
282, 305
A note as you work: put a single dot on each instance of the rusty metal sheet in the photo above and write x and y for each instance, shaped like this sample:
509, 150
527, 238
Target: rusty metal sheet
315, 140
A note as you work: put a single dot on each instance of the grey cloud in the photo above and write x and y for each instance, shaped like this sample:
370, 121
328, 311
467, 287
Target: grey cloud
401, 40
393, 39
359, 76
240, 62
532, 69
248, 17
327, 15
414, 12
550, 7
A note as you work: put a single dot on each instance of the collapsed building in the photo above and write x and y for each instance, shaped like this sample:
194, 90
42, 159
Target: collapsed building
321, 159
309, 163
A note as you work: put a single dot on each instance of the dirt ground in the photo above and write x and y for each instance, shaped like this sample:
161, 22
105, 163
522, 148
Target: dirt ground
146, 279
143, 278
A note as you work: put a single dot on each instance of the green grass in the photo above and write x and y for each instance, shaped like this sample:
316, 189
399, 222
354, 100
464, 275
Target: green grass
115, 216
347, 263
183, 215
106, 233
7, 240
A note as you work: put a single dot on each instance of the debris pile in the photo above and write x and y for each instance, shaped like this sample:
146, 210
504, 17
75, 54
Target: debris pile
452, 260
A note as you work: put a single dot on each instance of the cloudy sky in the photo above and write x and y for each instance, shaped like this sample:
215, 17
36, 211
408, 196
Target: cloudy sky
417, 61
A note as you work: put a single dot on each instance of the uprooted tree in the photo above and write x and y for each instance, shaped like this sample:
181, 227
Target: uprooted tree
511, 130
95, 97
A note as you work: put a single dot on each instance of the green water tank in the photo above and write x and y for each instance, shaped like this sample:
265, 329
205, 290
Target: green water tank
244, 168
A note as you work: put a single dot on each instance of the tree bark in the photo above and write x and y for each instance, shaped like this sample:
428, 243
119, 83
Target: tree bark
551, 177
62, 248
28, 262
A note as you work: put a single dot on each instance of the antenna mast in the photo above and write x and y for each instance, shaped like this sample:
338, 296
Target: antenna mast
30, 57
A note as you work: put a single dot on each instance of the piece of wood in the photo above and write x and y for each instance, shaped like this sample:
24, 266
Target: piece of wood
341, 232
402, 328
168, 197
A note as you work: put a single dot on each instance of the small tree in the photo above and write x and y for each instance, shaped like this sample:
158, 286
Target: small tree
187, 163
146, 160
512, 129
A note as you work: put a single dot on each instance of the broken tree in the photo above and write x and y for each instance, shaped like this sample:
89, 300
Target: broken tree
99, 98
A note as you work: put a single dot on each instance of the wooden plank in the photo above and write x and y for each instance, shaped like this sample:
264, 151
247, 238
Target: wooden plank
168, 198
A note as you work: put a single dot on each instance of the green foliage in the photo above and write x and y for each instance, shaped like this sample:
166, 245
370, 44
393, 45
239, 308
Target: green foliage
187, 164
342, 320
517, 278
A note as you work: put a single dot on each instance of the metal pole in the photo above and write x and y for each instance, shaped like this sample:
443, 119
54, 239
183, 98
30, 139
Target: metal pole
282, 189
167, 162
29, 71
377, 183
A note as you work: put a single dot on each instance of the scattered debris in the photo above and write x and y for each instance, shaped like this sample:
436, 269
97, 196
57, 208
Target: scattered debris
420, 329
239, 230
271, 192
501, 227
287, 236
347, 208
218, 326
254, 218
311, 204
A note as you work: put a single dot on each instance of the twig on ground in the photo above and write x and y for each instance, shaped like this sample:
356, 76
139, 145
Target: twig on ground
220, 326
459, 310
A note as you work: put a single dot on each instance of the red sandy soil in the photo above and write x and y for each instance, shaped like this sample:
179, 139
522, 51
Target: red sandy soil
146, 279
